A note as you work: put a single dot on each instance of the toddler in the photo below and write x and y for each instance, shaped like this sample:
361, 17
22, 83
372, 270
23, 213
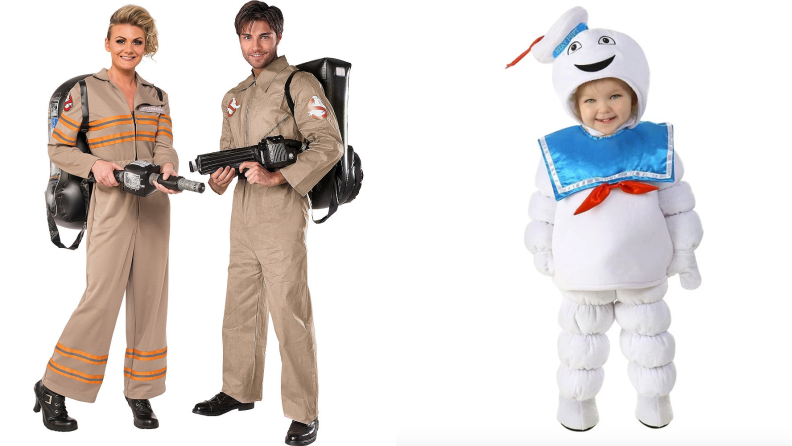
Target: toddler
611, 221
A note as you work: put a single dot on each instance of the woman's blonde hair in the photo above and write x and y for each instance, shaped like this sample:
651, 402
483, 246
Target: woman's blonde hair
137, 16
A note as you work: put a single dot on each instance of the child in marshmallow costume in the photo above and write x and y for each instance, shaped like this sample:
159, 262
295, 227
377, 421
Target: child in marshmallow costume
611, 221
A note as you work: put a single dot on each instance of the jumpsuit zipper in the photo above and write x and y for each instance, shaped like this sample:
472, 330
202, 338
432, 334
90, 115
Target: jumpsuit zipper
247, 109
134, 141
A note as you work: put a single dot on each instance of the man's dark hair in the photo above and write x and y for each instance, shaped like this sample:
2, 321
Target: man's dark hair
256, 10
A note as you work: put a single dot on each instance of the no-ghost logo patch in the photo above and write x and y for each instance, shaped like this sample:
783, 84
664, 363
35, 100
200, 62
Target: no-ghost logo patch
316, 109
232, 107
68, 104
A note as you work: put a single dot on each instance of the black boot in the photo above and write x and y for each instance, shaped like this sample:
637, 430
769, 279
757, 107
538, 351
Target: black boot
54, 414
220, 404
302, 434
144, 416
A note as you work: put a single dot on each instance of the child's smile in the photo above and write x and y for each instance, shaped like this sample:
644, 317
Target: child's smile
604, 104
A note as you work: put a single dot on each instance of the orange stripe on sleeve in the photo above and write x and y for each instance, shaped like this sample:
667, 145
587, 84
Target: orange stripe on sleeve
69, 125
73, 123
62, 138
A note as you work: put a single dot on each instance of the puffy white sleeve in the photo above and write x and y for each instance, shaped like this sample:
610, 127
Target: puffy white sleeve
539, 232
677, 203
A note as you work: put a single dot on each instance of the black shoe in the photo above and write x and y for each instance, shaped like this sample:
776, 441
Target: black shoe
302, 434
220, 404
143, 414
54, 414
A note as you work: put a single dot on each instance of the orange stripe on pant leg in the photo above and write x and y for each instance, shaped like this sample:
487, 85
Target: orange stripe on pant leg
153, 352
80, 376
146, 376
82, 353
73, 377
139, 358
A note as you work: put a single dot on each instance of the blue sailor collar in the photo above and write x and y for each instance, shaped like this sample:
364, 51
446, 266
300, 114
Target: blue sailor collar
577, 160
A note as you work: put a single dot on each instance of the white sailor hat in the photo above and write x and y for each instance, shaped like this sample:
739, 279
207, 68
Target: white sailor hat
580, 55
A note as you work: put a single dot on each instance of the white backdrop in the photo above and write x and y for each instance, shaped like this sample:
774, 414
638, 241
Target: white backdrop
432, 325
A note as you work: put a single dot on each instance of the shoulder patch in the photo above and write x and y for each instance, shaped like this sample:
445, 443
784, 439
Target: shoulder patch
232, 107
68, 104
316, 109
151, 109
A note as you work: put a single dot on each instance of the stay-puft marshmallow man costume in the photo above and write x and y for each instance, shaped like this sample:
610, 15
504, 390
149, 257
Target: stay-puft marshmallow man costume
637, 228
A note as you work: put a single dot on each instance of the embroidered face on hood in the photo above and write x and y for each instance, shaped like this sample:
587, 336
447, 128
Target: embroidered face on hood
580, 55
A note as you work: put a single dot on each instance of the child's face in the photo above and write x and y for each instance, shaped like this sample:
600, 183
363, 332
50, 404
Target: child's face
604, 104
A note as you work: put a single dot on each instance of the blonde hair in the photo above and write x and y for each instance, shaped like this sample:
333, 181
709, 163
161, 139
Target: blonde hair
137, 16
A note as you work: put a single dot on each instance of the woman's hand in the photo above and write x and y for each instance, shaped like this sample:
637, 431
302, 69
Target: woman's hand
220, 180
166, 171
257, 174
104, 172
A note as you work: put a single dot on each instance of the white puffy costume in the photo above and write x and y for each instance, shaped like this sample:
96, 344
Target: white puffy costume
614, 260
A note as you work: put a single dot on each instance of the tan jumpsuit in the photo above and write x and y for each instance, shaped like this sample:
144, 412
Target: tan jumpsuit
126, 243
267, 272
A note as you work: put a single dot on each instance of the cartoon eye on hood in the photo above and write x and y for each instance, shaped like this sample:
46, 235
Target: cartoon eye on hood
581, 55
605, 40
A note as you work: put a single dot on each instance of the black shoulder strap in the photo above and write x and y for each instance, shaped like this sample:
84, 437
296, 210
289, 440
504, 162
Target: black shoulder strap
287, 91
159, 92
84, 101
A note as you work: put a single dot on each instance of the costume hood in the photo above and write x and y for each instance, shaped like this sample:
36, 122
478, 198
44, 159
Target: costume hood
580, 55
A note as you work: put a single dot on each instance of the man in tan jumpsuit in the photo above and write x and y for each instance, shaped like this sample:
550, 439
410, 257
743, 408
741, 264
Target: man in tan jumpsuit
268, 268
121, 227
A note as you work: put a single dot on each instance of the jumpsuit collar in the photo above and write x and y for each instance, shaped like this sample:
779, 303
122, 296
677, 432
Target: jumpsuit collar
142, 96
102, 74
269, 73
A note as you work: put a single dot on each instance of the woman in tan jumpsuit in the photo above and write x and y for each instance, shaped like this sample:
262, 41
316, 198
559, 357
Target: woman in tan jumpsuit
127, 241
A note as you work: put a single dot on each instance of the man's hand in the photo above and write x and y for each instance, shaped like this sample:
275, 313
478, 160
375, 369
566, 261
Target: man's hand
257, 174
104, 172
220, 180
166, 171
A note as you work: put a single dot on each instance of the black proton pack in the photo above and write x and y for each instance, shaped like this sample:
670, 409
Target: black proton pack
342, 183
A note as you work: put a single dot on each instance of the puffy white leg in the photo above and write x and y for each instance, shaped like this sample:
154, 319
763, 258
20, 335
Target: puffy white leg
645, 341
582, 348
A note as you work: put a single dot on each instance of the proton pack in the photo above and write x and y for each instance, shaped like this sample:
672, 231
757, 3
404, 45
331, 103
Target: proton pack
67, 195
343, 182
